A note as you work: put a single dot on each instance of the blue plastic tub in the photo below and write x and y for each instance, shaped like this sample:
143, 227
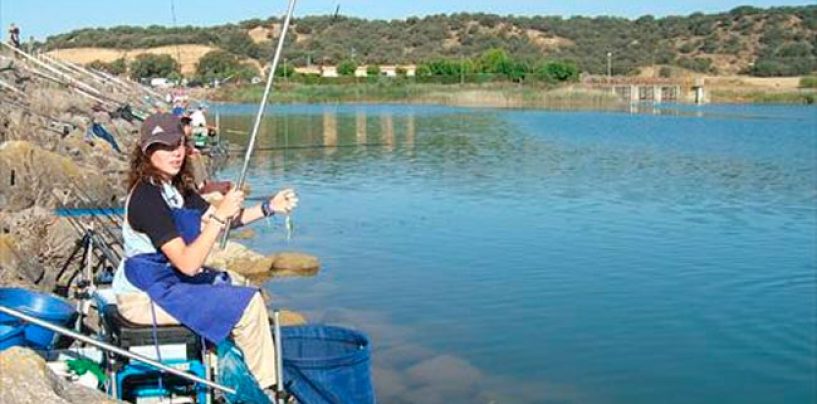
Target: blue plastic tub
40, 305
11, 335
326, 364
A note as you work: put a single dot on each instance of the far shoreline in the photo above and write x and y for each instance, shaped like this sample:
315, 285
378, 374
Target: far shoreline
503, 95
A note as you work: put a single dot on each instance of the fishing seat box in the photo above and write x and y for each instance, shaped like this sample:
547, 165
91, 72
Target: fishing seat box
128, 335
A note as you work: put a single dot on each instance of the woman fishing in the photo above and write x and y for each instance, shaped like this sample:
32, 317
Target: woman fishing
168, 232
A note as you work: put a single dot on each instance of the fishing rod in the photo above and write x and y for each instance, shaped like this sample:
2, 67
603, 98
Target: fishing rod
111, 348
75, 70
130, 85
108, 79
65, 127
69, 85
107, 249
113, 256
261, 108
79, 86
11, 88
114, 219
53, 70
65, 66
27, 108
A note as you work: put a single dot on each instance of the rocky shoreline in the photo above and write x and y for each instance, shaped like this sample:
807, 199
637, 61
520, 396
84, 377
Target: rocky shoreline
50, 159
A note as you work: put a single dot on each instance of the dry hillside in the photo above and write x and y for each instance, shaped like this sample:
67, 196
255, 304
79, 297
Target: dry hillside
187, 55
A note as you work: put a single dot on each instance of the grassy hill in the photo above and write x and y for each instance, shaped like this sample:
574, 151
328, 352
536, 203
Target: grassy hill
780, 41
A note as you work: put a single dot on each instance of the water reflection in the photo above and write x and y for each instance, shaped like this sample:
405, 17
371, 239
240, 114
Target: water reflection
360, 128
559, 152
387, 132
330, 131
336, 131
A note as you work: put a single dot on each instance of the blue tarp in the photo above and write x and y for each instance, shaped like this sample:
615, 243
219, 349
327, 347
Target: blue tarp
100, 132
326, 364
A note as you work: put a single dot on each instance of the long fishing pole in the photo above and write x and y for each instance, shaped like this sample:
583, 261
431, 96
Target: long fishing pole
108, 251
261, 108
70, 71
27, 109
13, 89
82, 88
53, 70
70, 74
111, 348
74, 69
79, 90
115, 219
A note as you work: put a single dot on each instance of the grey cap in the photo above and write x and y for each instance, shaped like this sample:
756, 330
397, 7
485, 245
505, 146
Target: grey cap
161, 128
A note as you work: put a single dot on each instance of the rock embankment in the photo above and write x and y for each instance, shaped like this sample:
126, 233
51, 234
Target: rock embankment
25, 379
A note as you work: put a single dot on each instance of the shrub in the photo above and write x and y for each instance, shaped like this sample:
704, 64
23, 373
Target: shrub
808, 82
372, 70
347, 68
149, 65
116, 67
557, 71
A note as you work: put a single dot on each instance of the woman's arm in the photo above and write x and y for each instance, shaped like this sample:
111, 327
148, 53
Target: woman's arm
189, 258
282, 203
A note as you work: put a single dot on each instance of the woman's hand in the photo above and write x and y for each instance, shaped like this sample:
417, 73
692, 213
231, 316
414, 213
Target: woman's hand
284, 201
230, 205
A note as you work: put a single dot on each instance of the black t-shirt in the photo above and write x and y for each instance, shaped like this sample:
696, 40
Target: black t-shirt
149, 213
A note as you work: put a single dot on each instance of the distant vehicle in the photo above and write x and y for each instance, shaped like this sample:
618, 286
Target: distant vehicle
160, 82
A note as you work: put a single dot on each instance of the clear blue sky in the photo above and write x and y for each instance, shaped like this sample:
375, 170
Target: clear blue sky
40, 18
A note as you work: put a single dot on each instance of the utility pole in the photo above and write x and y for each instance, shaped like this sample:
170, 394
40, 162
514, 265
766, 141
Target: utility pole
609, 67
462, 71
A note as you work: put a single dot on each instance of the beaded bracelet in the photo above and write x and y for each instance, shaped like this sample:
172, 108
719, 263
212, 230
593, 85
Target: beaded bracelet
266, 208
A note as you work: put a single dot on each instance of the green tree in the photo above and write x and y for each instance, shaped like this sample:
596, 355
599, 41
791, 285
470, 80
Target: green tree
347, 68
495, 61
217, 64
116, 67
221, 65
808, 82
148, 65
517, 71
286, 70
239, 43
373, 70
422, 71
556, 71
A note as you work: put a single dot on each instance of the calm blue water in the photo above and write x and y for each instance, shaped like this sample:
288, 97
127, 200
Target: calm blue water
533, 256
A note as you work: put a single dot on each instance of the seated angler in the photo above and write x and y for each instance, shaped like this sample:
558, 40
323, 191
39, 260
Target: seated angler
168, 232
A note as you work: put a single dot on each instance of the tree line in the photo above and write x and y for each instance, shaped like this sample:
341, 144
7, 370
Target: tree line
771, 42
493, 65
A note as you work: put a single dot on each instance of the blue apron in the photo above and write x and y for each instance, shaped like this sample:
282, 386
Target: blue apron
203, 302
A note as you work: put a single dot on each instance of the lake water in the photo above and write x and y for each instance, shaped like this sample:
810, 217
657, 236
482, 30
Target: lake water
665, 255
